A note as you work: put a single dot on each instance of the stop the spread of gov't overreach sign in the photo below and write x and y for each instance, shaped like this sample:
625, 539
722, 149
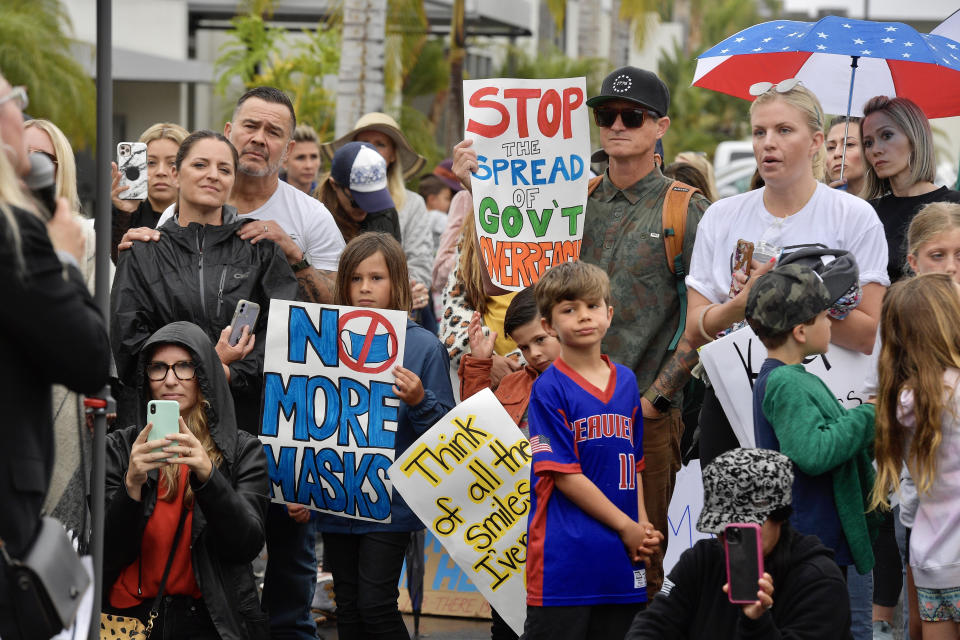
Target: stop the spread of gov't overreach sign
532, 139
329, 412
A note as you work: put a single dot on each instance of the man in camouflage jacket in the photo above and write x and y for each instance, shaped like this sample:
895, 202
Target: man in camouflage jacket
623, 234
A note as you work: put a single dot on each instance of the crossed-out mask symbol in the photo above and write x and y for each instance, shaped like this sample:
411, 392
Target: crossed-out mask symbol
368, 342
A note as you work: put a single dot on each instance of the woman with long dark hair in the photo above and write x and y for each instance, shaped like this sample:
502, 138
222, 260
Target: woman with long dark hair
198, 271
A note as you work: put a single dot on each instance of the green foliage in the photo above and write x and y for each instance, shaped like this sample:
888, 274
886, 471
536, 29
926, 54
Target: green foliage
554, 64
701, 118
35, 52
260, 54
430, 73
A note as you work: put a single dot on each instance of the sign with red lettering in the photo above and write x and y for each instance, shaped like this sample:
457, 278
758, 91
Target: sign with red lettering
532, 139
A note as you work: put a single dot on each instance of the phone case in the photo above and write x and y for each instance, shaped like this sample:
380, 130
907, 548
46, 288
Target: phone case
165, 416
132, 165
741, 264
245, 315
743, 548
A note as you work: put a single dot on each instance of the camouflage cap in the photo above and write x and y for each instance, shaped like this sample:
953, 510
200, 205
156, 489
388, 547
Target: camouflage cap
787, 296
744, 486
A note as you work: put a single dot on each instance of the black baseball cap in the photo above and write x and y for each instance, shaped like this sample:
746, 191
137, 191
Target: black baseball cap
634, 85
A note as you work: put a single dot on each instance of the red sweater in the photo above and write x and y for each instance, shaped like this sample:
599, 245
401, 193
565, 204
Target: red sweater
513, 392
154, 551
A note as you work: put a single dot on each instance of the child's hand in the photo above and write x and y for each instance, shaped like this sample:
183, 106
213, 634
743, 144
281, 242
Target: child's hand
633, 535
650, 543
481, 346
408, 386
764, 598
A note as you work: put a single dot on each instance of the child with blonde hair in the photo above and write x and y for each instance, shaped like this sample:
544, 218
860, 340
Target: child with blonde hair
918, 427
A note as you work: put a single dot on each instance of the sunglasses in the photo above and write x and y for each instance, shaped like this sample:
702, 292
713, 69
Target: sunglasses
19, 96
631, 117
184, 370
783, 86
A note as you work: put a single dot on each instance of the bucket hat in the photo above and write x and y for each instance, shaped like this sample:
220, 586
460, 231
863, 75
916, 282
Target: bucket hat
744, 486
410, 161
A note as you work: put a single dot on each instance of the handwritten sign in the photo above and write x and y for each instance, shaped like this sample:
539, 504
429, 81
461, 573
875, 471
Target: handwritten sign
329, 413
733, 363
468, 480
532, 139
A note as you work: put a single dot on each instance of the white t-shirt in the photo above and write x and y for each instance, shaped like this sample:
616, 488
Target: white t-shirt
304, 218
832, 218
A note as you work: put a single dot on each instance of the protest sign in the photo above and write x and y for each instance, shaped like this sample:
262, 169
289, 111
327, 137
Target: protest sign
683, 513
532, 139
447, 589
733, 363
468, 480
329, 412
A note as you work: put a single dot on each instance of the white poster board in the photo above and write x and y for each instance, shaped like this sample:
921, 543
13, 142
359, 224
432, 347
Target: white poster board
683, 513
733, 363
532, 139
468, 480
329, 412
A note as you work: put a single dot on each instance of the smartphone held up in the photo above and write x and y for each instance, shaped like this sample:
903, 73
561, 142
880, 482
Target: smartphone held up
165, 417
743, 547
132, 165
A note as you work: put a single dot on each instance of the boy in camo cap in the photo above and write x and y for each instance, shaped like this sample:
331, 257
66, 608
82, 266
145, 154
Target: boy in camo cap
797, 414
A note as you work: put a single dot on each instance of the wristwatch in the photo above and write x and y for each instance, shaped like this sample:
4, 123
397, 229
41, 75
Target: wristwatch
659, 402
300, 266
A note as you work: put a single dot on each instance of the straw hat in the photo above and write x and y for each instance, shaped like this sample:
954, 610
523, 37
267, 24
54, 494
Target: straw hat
411, 161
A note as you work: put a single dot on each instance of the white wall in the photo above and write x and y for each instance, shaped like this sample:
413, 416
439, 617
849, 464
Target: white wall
158, 27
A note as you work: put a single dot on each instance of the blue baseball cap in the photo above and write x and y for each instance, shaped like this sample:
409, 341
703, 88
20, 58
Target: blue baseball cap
359, 167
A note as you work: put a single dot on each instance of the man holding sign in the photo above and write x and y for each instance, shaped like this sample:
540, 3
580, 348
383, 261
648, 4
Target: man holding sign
624, 235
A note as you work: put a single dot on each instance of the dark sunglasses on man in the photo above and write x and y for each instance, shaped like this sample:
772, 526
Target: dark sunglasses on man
631, 117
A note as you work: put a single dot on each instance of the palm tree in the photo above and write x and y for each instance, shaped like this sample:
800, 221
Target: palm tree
35, 52
360, 85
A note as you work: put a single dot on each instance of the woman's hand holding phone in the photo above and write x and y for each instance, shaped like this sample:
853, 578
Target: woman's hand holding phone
145, 456
764, 601
228, 353
190, 452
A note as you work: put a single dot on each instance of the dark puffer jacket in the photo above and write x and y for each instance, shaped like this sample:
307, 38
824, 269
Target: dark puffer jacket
197, 273
230, 508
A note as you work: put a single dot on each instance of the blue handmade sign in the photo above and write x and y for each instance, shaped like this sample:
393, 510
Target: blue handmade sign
329, 412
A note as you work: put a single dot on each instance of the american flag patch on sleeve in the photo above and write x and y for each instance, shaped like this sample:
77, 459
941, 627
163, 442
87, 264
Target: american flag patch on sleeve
540, 444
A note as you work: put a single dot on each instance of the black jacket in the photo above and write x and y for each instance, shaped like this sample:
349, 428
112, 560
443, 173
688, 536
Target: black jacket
810, 600
50, 331
197, 273
229, 511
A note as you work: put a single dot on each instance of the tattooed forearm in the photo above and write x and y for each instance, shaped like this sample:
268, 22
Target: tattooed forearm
315, 285
676, 372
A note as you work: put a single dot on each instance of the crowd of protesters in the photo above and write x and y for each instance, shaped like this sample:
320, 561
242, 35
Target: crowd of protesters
853, 245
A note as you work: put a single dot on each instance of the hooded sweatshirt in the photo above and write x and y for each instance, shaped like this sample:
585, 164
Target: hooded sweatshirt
229, 510
810, 599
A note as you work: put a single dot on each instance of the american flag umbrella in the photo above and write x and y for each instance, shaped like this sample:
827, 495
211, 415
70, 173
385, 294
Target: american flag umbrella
844, 62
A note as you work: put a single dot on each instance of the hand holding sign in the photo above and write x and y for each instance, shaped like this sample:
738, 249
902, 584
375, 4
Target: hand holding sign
408, 386
529, 173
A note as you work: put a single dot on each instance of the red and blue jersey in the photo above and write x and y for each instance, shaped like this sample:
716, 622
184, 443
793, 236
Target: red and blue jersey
573, 559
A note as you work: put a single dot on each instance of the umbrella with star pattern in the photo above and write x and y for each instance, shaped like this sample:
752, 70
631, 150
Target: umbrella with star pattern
889, 58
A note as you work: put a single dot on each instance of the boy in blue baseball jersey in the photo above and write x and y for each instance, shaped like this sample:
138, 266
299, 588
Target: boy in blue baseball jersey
588, 534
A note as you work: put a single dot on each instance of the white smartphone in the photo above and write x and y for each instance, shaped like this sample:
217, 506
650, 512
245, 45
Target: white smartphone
132, 165
245, 315
165, 416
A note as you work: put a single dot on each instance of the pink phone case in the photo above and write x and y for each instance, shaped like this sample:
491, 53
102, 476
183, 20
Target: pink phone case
750, 549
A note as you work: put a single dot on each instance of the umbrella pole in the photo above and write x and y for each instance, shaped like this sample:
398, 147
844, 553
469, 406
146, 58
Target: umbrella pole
846, 128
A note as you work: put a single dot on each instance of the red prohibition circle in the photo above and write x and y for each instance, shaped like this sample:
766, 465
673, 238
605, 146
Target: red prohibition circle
376, 321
